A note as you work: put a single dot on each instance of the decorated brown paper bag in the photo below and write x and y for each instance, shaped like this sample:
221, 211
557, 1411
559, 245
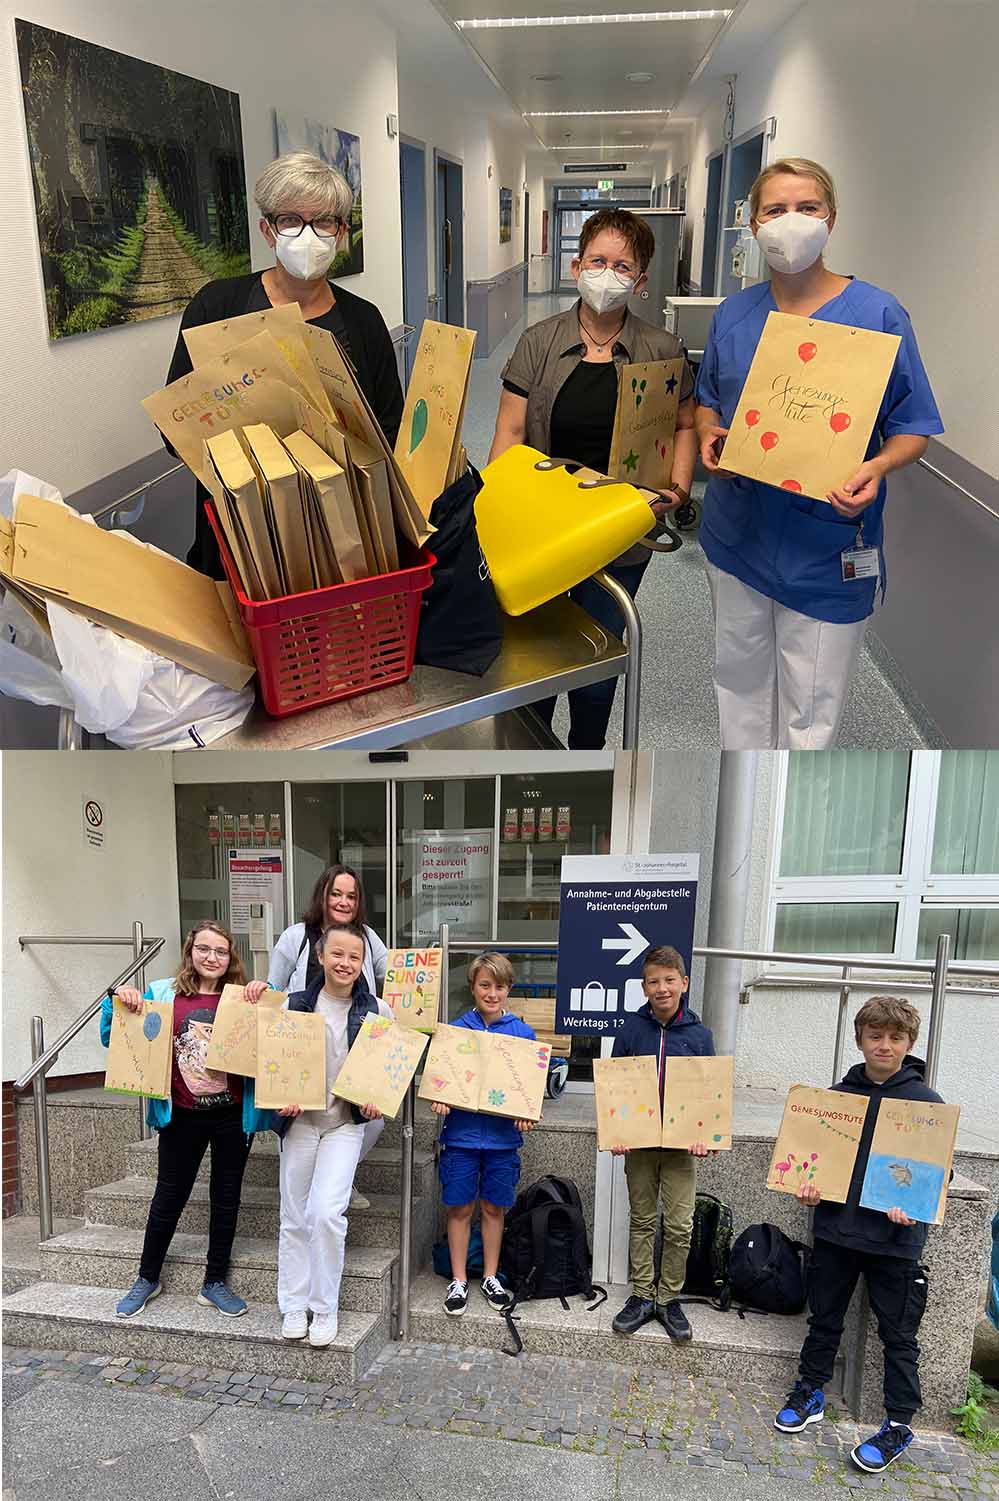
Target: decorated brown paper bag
453, 1070
435, 400
697, 1103
233, 524
627, 1100
334, 520
817, 1143
232, 1048
381, 1064
291, 1060
809, 404
514, 1074
253, 383
412, 987
277, 475
209, 340
140, 1051
645, 423
909, 1165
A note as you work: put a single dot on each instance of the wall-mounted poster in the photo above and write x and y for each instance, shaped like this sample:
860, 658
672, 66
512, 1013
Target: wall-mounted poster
338, 148
505, 215
140, 193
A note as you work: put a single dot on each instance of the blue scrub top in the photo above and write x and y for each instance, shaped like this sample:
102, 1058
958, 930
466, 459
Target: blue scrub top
789, 546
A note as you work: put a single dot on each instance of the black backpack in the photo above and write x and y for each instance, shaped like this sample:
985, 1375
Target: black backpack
545, 1252
710, 1249
767, 1270
460, 626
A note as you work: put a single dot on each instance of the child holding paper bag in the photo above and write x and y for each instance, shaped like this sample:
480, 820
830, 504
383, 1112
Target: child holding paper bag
320, 1149
205, 1109
883, 1247
664, 1027
480, 1154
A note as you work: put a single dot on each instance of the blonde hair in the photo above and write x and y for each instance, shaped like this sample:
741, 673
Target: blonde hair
887, 1011
795, 166
496, 965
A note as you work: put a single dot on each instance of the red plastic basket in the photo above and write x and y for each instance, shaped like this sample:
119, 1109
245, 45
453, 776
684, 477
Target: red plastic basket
334, 643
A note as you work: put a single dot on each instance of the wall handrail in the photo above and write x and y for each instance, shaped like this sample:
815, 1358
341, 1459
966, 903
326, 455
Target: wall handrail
976, 499
140, 490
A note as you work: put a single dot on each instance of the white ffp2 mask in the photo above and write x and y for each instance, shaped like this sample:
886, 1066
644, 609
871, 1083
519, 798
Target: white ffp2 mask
306, 255
603, 291
793, 242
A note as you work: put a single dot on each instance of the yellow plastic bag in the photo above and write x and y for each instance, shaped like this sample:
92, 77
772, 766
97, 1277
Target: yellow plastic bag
543, 529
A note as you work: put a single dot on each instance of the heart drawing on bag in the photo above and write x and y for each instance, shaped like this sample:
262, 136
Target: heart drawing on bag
418, 426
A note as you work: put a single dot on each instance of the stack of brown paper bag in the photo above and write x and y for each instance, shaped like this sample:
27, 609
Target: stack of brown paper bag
306, 489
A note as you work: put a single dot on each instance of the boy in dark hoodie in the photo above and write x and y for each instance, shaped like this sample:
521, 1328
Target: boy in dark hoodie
884, 1248
664, 1028
480, 1154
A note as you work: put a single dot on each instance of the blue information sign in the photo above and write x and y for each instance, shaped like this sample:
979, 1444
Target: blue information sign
612, 910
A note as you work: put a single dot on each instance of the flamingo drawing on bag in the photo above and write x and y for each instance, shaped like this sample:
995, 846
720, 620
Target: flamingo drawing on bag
780, 1168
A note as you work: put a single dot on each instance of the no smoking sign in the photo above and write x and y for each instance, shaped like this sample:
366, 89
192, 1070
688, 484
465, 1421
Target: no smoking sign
94, 823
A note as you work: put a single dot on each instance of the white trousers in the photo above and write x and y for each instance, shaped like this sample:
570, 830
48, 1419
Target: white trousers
317, 1172
781, 678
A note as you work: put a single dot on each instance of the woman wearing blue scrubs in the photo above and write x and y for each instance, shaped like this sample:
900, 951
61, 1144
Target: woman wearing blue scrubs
793, 580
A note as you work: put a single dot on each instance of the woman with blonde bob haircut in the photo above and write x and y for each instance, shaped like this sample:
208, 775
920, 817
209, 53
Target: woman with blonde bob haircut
794, 580
305, 218
205, 1109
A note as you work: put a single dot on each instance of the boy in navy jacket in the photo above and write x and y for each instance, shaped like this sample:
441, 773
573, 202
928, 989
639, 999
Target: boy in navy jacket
664, 1028
480, 1154
884, 1248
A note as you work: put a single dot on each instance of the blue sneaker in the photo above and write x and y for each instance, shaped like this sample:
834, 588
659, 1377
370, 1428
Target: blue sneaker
142, 1292
805, 1404
877, 1453
217, 1295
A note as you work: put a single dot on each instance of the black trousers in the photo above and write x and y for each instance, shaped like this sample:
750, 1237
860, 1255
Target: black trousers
182, 1145
897, 1290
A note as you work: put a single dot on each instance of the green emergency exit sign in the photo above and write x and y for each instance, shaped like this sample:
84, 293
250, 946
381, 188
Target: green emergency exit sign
605, 184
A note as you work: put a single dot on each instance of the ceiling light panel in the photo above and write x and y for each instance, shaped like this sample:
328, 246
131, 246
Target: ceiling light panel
637, 17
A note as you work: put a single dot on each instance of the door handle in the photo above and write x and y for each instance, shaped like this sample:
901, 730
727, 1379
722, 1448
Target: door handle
447, 247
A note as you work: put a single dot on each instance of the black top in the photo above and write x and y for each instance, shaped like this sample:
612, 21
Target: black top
582, 424
355, 323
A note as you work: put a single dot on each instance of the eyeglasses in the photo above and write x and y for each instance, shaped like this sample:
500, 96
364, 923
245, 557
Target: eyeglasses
622, 269
291, 225
207, 953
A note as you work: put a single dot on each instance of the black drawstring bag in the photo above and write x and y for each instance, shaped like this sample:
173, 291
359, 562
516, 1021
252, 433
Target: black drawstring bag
460, 624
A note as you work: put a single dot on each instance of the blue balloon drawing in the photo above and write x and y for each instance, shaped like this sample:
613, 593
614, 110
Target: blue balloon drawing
151, 1026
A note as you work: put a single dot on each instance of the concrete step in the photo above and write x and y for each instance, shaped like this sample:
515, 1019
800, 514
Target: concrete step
761, 1348
126, 1203
108, 1256
57, 1316
380, 1172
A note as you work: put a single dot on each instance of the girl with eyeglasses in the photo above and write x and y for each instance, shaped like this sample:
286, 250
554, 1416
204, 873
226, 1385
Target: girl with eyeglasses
306, 219
206, 1109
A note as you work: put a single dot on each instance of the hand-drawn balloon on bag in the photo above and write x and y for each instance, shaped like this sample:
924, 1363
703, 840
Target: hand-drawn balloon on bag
151, 1026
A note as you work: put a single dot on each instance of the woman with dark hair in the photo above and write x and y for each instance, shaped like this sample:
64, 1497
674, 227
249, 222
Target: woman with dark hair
205, 1108
337, 899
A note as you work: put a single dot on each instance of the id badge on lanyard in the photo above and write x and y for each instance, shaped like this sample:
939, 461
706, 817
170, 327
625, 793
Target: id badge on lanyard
858, 561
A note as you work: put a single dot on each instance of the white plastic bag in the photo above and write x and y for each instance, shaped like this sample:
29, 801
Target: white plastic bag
29, 666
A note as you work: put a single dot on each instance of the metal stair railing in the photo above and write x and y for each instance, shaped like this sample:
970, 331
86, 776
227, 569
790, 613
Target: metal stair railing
143, 950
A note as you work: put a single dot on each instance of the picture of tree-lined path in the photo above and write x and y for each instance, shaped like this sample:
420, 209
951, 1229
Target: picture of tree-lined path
140, 192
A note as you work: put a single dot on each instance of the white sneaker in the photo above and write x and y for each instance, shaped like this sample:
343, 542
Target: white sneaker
358, 1201
295, 1325
322, 1330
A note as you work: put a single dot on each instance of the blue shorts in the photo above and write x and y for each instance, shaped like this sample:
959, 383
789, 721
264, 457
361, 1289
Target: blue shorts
467, 1174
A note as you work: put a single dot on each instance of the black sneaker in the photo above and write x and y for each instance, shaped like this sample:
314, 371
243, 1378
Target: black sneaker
877, 1453
496, 1294
635, 1313
457, 1299
805, 1404
674, 1321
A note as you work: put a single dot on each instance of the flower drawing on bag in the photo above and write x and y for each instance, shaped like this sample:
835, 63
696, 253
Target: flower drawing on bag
496, 1097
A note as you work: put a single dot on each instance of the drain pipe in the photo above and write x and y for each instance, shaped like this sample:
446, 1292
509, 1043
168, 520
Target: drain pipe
730, 872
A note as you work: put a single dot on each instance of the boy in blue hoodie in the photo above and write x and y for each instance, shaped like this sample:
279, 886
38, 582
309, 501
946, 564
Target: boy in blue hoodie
884, 1248
665, 1027
480, 1154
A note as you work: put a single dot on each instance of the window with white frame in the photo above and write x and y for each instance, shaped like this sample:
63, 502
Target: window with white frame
875, 853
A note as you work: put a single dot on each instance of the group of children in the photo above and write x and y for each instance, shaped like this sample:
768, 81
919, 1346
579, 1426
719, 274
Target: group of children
480, 1165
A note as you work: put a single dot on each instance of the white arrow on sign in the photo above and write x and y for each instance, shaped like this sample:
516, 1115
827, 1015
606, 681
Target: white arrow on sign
632, 945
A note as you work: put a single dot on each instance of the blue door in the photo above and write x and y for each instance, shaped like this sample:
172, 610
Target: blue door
413, 189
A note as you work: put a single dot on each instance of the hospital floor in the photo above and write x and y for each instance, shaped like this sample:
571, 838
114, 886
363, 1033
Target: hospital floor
678, 707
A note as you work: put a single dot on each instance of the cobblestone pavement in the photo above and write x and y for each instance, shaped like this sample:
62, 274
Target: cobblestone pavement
579, 1405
